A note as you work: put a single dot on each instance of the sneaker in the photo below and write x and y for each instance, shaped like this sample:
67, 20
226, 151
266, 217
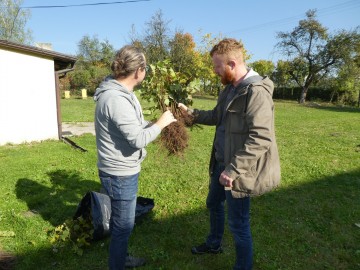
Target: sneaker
133, 262
203, 248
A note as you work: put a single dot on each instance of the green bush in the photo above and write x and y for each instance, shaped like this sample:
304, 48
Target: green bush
79, 78
87, 78
97, 76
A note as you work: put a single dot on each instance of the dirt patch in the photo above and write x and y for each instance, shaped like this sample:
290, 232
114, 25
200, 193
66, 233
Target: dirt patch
7, 261
30, 213
78, 128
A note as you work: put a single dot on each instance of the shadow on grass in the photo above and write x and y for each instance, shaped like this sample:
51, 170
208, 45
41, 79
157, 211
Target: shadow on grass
332, 108
57, 202
307, 226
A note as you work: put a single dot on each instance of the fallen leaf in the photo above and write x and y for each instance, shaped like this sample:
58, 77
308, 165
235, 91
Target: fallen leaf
7, 234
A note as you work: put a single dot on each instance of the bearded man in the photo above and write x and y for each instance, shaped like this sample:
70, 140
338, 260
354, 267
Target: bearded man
244, 160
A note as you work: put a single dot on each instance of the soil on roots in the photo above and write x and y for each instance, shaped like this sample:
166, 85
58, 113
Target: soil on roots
174, 137
185, 118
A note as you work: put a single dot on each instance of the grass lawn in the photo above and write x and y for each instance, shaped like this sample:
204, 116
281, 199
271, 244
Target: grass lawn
307, 223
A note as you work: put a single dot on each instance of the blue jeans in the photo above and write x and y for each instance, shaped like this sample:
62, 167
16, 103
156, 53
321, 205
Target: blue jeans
238, 219
122, 191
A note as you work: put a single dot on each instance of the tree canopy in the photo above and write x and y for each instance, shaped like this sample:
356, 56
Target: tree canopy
313, 52
13, 21
311, 57
156, 39
92, 51
263, 67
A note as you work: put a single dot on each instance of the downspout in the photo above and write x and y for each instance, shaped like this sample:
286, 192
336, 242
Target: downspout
58, 99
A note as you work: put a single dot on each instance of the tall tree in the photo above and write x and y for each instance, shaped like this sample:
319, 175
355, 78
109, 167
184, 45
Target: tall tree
183, 56
313, 52
156, 40
13, 21
92, 51
135, 38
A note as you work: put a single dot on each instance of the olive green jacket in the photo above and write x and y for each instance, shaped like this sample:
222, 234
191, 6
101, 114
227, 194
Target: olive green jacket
251, 153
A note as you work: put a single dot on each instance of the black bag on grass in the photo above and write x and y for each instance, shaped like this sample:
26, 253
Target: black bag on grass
97, 208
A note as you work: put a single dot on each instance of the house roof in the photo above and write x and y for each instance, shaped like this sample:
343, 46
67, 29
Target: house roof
62, 61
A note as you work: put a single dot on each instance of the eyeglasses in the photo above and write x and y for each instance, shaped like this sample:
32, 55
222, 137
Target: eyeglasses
146, 68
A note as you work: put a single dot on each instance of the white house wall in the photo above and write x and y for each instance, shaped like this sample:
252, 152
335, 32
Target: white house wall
27, 98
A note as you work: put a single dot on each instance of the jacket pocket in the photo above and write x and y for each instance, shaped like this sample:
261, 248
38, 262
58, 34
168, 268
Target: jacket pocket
106, 182
256, 179
245, 182
237, 122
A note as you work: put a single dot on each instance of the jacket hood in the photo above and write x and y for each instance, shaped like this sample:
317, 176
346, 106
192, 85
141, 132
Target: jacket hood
108, 84
250, 78
253, 78
267, 84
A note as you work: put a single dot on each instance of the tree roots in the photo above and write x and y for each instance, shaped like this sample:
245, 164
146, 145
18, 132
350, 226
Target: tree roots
175, 137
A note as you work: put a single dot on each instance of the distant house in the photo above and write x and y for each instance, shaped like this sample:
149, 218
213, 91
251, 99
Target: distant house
29, 92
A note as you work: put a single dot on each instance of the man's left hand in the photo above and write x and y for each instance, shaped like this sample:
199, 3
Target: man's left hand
225, 180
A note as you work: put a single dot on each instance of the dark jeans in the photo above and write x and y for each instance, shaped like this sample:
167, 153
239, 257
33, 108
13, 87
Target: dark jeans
122, 191
238, 219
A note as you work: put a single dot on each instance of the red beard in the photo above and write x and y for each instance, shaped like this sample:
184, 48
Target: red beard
228, 77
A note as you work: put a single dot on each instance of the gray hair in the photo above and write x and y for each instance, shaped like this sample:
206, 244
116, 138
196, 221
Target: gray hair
127, 60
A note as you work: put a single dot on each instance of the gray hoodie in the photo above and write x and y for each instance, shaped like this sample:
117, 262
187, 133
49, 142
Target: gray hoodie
121, 131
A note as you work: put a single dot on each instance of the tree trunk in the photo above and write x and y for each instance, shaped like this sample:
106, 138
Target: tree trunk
303, 95
332, 95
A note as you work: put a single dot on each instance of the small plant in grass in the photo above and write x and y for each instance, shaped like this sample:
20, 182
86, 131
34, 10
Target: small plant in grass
74, 232
166, 88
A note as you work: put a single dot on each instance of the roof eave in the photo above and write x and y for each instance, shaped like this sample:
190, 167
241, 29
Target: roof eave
61, 60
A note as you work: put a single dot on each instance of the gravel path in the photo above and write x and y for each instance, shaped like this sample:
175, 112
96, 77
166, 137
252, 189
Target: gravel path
76, 129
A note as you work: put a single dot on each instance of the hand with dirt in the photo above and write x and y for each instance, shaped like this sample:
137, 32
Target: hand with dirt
184, 108
165, 119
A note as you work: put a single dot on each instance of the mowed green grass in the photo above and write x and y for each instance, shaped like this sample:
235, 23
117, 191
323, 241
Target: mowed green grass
307, 223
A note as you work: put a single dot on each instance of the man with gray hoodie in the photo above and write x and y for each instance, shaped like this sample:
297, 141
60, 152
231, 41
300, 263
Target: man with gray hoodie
121, 137
244, 160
